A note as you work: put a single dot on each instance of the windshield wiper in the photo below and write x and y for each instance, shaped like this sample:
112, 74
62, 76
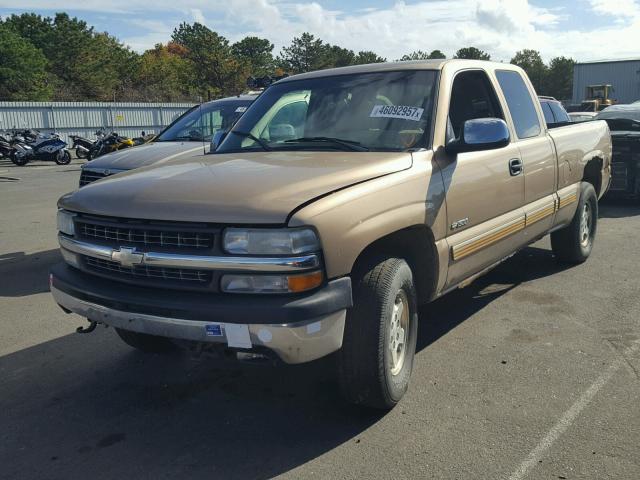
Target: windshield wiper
260, 142
350, 144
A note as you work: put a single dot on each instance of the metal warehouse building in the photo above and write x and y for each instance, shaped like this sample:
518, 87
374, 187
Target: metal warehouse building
84, 118
623, 75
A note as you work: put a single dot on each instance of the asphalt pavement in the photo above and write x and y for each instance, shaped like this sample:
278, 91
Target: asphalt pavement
530, 372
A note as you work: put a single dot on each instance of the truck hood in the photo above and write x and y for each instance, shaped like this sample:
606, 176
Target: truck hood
144, 155
247, 188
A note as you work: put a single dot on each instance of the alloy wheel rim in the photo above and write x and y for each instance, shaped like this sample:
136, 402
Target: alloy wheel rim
398, 333
585, 225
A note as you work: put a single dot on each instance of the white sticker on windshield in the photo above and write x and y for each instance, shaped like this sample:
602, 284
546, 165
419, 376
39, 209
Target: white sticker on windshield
397, 111
241, 109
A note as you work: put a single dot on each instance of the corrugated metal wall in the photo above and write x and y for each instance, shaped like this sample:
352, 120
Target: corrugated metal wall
84, 118
623, 75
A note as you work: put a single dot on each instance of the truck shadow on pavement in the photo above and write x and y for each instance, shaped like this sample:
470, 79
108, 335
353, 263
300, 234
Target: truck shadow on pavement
86, 406
444, 314
26, 274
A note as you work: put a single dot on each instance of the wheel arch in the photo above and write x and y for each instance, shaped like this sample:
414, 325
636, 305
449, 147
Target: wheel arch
592, 173
416, 245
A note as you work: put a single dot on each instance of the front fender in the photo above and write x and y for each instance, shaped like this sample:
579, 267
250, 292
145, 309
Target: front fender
351, 219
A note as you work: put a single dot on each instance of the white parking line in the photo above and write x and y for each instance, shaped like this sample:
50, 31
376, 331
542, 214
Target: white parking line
570, 415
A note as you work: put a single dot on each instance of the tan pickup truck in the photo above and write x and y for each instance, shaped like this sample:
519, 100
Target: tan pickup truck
338, 203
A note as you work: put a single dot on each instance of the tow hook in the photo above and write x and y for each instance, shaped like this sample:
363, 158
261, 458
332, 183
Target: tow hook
92, 326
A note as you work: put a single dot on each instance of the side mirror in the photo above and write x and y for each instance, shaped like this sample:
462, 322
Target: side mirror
217, 139
480, 134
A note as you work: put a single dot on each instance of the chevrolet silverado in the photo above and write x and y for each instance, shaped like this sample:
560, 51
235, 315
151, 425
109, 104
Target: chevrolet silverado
338, 203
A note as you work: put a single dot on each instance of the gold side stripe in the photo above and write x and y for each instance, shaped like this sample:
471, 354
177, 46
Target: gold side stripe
466, 249
538, 215
569, 199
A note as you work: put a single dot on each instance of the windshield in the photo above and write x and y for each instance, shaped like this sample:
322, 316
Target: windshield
382, 111
202, 122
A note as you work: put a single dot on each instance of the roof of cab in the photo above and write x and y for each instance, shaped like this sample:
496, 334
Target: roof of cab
244, 97
395, 66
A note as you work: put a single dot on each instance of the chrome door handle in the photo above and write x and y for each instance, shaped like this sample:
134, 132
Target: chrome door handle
515, 167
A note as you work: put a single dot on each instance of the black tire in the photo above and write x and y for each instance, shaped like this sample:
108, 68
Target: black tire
65, 159
365, 362
20, 161
146, 343
81, 153
573, 243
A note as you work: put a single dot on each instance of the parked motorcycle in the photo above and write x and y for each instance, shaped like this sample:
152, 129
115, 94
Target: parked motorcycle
82, 145
109, 143
33, 145
5, 145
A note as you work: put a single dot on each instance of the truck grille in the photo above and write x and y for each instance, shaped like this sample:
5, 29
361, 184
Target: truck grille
147, 272
88, 176
147, 235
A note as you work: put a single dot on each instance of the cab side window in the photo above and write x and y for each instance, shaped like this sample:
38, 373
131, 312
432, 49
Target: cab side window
288, 123
521, 106
472, 96
559, 113
548, 114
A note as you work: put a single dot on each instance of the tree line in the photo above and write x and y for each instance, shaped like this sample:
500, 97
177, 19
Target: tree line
61, 58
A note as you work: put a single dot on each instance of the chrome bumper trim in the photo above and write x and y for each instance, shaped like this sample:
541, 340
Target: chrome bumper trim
199, 262
294, 343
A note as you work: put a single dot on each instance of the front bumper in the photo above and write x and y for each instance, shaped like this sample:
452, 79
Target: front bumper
296, 328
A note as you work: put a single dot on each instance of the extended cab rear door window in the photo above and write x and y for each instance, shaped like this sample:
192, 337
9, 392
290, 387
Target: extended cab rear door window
521, 106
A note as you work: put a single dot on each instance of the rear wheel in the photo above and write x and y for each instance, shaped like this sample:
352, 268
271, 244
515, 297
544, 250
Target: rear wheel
573, 244
379, 345
146, 343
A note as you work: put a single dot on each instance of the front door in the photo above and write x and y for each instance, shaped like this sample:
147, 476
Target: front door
484, 194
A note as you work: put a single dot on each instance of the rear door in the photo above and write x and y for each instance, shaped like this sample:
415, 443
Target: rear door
484, 200
536, 152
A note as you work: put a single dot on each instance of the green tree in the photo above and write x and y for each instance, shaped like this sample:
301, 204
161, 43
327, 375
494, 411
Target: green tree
218, 72
472, 53
416, 55
437, 54
256, 53
82, 64
560, 77
165, 74
23, 74
367, 56
339, 57
531, 62
420, 55
306, 53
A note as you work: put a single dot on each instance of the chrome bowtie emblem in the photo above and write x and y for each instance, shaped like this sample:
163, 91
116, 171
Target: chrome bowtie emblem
127, 257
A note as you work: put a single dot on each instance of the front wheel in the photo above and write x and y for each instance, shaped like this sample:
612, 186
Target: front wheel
379, 344
573, 243
145, 342
63, 157
18, 159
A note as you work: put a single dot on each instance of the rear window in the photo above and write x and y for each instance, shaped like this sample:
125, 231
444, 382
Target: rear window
521, 106
559, 113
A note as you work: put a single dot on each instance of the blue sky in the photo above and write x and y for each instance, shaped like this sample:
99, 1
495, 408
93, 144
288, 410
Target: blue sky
582, 29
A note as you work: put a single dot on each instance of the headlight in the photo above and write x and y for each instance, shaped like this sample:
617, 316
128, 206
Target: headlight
263, 241
65, 222
271, 283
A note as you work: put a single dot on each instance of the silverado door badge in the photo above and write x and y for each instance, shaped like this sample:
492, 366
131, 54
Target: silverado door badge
459, 223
